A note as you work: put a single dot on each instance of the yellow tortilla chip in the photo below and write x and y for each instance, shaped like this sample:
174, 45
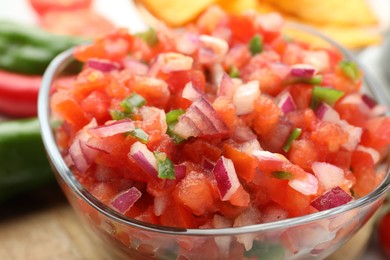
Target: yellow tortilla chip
335, 12
175, 12
238, 6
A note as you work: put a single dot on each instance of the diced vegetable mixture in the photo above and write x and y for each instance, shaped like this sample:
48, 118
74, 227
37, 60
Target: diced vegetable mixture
225, 118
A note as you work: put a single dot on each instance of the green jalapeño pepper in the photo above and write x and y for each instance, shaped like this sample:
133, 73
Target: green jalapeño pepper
23, 162
29, 50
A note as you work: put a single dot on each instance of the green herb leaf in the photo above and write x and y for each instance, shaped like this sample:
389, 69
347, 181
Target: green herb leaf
150, 36
234, 72
282, 175
350, 69
118, 115
176, 138
173, 115
315, 80
296, 132
324, 94
165, 167
256, 44
134, 100
140, 135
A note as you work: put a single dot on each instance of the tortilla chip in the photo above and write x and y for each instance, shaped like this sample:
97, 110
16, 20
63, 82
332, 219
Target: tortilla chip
175, 12
335, 12
239, 6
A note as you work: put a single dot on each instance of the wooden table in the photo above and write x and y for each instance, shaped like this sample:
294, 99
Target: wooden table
41, 225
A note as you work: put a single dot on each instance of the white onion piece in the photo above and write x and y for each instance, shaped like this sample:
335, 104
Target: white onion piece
227, 87
268, 156
186, 128
331, 199
328, 175
102, 65
170, 61
187, 43
379, 110
280, 69
249, 217
136, 67
303, 70
223, 242
160, 204
144, 158
226, 177
354, 135
113, 128
286, 102
270, 22
250, 147
245, 96
212, 49
318, 59
307, 186
190, 92
125, 200
371, 151
77, 156
243, 134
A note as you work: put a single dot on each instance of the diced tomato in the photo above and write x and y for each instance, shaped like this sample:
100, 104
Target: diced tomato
244, 164
199, 149
97, 105
240, 198
266, 115
155, 91
339, 81
303, 153
178, 79
377, 134
72, 113
352, 113
301, 94
330, 135
277, 138
226, 110
195, 193
241, 27
177, 215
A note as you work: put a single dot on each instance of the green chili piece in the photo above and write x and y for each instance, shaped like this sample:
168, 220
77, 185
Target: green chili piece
325, 94
165, 167
234, 72
256, 44
134, 100
150, 36
296, 132
173, 115
350, 69
140, 135
283, 175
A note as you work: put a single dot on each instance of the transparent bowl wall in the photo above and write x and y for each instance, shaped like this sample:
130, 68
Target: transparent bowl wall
313, 236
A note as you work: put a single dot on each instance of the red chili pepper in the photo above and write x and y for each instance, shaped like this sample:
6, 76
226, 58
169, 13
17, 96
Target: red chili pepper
19, 94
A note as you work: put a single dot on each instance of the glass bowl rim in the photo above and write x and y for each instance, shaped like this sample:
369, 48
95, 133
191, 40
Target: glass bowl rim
64, 58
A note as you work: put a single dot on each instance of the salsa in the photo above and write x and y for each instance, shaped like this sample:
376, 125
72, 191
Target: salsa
223, 123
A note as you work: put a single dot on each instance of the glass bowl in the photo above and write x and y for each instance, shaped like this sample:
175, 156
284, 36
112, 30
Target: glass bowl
313, 236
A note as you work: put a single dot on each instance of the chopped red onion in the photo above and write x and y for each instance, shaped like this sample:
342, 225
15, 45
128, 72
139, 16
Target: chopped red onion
125, 200
245, 96
303, 71
207, 164
327, 113
317, 58
243, 134
171, 61
180, 171
113, 128
249, 147
331, 199
251, 216
201, 119
144, 158
77, 156
280, 69
212, 49
190, 92
267, 156
328, 175
103, 65
354, 135
370, 102
226, 177
286, 103
227, 86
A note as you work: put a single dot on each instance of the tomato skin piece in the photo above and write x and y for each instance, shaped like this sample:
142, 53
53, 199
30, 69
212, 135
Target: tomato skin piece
44, 6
